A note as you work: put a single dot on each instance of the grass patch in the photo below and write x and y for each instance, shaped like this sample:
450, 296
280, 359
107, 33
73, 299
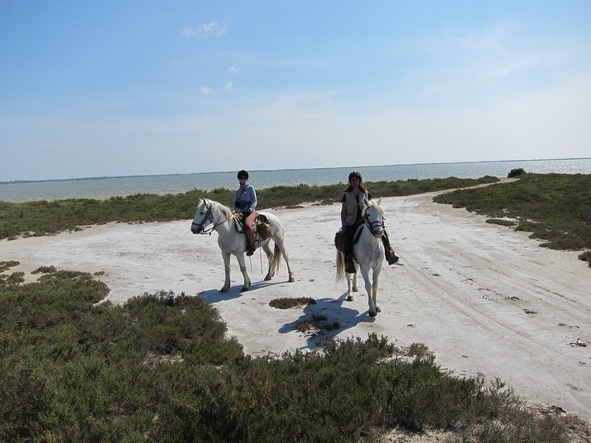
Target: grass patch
586, 256
4, 265
316, 324
288, 303
501, 222
160, 368
554, 208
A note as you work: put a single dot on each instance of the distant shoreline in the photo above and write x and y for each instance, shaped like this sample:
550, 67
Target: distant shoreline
104, 187
108, 177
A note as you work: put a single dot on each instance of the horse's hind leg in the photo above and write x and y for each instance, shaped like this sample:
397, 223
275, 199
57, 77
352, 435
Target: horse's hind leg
350, 286
269, 255
279, 242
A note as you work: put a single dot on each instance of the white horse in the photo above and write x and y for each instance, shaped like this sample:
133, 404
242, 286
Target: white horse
368, 252
233, 242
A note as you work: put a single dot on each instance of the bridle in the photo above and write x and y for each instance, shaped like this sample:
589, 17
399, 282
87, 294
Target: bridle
376, 227
207, 219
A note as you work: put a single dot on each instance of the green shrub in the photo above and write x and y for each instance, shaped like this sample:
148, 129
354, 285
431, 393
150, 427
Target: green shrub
554, 208
159, 368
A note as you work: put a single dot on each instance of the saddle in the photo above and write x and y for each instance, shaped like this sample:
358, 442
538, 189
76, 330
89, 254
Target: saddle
340, 238
261, 227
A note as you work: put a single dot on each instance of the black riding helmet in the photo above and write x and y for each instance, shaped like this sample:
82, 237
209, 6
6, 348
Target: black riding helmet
242, 173
355, 174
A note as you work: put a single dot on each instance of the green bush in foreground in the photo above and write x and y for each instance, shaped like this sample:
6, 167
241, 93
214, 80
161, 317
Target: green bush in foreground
159, 368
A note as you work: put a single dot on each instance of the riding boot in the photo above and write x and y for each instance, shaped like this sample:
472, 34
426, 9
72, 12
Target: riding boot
250, 248
391, 256
349, 265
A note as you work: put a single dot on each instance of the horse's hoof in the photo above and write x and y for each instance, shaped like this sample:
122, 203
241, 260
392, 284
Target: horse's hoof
291, 279
245, 288
350, 298
373, 313
267, 277
355, 290
224, 289
378, 309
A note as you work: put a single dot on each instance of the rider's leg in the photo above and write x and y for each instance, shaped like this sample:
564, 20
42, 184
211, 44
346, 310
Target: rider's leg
391, 256
349, 265
248, 221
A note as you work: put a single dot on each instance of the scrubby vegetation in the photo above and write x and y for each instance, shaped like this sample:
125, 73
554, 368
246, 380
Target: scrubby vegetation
288, 303
159, 368
555, 208
43, 217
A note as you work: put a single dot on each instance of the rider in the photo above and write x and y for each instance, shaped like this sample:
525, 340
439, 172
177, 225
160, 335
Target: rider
352, 204
245, 202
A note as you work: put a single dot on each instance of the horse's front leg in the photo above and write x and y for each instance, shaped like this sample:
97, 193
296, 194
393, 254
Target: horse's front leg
242, 264
369, 289
226, 257
376, 274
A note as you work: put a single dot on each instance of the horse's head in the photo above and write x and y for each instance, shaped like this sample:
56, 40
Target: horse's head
203, 216
373, 214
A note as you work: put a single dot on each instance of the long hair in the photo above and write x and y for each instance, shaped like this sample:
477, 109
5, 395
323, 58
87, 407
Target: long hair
362, 187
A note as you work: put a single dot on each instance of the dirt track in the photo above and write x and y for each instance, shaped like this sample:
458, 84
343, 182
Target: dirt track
485, 299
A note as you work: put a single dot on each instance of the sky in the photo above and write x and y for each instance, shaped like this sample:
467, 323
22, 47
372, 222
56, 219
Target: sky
115, 87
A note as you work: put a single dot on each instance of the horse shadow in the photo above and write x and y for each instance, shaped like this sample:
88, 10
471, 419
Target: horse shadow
326, 318
213, 296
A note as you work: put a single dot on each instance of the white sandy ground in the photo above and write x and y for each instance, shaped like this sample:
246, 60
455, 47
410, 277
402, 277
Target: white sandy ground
485, 299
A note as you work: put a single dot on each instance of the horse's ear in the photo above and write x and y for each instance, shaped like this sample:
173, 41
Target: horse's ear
380, 201
365, 201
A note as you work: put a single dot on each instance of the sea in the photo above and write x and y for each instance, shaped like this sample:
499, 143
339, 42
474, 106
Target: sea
105, 187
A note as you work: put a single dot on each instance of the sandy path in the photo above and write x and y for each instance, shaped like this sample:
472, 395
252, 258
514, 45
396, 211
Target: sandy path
485, 299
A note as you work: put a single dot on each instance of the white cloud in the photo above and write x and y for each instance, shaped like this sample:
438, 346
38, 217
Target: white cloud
211, 29
234, 69
495, 38
206, 90
229, 86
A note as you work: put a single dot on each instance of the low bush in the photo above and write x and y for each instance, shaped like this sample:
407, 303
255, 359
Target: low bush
160, 368
554, 208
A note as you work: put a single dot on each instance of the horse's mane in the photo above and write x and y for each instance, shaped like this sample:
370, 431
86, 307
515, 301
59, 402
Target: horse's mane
225, 210
375, 204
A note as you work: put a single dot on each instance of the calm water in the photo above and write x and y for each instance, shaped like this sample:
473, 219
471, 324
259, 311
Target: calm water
161, 184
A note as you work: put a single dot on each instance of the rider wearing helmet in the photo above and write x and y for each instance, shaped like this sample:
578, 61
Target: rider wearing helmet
352, 205
245, 202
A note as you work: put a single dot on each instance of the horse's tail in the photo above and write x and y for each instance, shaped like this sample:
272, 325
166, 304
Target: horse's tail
340, 266
275, 260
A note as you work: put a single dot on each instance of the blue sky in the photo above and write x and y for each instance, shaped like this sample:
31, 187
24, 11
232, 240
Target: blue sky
110, 88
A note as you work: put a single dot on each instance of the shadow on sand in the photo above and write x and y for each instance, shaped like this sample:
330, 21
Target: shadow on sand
336, 319
213, 296
328, 317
